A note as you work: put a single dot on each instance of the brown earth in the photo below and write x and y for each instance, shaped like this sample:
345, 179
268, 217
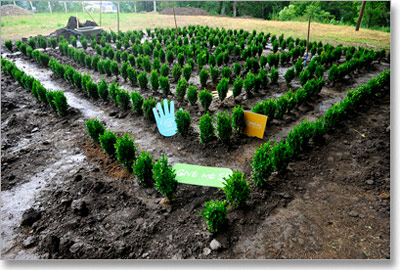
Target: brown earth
12, 10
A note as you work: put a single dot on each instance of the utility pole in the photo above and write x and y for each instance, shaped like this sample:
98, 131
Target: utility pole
155, 6
360, 15
50, 7
65, 7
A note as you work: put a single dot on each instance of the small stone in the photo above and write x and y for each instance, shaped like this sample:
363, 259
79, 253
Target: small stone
78, 178
369, 182
215, 245
79, 207
76, 247
29, 242
206, 251
353, 213
388, 129
164, 202
30, 216
36, 129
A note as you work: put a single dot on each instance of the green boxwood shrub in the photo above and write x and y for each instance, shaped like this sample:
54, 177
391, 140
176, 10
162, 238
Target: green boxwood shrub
9, 45
304, 77
192, 95
237, 87
164, 85
224, 127
273, 76
107, 142
238, 121
113, 91
137, 102
176, 72
164, 71
183, 121
94, 129
214, 74
132, 75
205, 98
143, 80
125, 150
187, 72
204, 75
180, 91
280, 156
237, 189
206, 129
123, 99
249, 82
289, 75
222, 88
154, 80
143, 169
262, 166
215, 215
164, 177
148, 106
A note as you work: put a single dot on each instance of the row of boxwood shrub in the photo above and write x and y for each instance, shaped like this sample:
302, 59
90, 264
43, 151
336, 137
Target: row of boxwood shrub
269, 158
55, 99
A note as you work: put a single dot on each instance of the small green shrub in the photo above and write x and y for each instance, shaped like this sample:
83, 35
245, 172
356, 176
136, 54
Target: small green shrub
114, 68
204, 75
143, 169
237, 87
304, 77
126, 149
280, 156
164, 71
60, 103
262, 166
146, 64
164, 84
148, 106
222, 88
164, 177
113, 91
226, 72
32, 43
205, 98
237, 189
91, 89
249, 82
176, 72
94, 129
181, 89
206, 129
333, 73
143, 80
123, 99
124, 70
154, 80
289, 75
273, 76
214, 74
187, 72
224, 127
298, 66
137, 102
183, 121
215, 215
9, 45
132, 75
156, 64
238, 121
170, 57
107, 142
192, 95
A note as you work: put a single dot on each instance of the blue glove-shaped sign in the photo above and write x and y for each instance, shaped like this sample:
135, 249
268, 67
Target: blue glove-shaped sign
165, 118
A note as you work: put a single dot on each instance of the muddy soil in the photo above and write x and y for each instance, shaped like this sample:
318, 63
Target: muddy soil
91, 208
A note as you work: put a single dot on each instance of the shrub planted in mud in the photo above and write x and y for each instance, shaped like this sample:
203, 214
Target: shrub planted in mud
125, 150
113, 91
164, 85
205, 98
50, 98
238, 121
143, 169
204, 75
114, 68
192, 95
132, 75
137, 102
154, 80
237, 189
222, 88
148, 106
249, 82
91, 89
123, 99
224, 127
180, 91
237, 87
298, 66
206, 129
176, 72
107, 142
215, 215
187, 72
280, 156
124, 70
9, 45
214, 74
183, 121
60, 103
143, 80
274, 75
32, 43
164, 71
164, 177
262, 166
94, 129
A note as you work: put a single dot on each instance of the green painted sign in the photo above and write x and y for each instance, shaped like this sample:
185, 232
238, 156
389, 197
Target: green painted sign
201, 175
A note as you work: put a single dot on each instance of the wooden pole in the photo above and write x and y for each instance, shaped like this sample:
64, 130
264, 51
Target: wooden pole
176, 26
118, 15
101, 7
77, 22
308, 39
360, 15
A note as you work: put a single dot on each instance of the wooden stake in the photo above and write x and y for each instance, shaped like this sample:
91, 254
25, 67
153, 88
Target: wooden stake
77, 23
176, 26
118, 15
101, 7
360, 15
308, 40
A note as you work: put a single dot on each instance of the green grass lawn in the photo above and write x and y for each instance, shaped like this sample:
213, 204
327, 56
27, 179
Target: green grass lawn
16, 27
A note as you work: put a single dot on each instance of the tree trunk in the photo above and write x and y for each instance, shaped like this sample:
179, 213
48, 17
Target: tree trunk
51, 11
134, 6
234, 8
155, 6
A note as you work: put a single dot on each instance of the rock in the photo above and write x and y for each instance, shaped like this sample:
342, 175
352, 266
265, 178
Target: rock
79, 207
215, 245
277, 246
78, 178
51, 243
76, 247
36, 129
30, 216
164, 202
206, 251
369, 182
120, 246
353, 213
29, 242
388, 129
